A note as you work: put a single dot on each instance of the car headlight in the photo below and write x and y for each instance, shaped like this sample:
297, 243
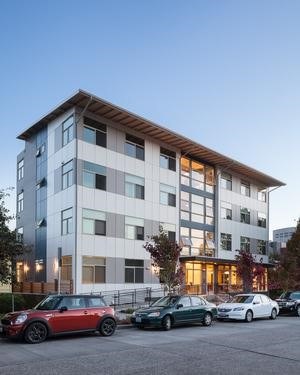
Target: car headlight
238, 309
20, 319
133, 314
154, 314
290, 303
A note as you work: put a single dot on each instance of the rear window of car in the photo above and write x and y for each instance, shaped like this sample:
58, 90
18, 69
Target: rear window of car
95, 302
295, 295
196, 301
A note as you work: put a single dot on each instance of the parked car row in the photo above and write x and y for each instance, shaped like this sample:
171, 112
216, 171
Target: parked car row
63, 314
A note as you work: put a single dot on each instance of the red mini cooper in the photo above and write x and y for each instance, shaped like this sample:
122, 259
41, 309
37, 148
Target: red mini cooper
60, 314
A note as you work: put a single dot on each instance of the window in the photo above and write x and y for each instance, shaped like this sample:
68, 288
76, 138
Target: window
168, 195
40, 150
66, 221
245, 243
134, 271
261, 247
197, 301
262, 220
67, 174
20, 168
40, 183
170, 230
209, 211
226, 241
226, 181
66, 267
245, 215
134, 228
197, 175
197, 240
262, 196
245, 188
167, 159
20, 234
209, 244
72, 303
209, 179
185, 301
93, 270
93, 222
94, 176
135, 147
96, 302
197, 208
226, 210
197, 181
68, 130
134, 186
94, 132
20, 203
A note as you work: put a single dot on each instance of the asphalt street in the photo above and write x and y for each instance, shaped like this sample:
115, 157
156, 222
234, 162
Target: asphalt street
261, 347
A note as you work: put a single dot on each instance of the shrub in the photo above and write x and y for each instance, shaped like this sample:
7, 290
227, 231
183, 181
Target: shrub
6, 302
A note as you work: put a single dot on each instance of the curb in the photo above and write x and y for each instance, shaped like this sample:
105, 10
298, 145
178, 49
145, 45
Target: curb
124, 326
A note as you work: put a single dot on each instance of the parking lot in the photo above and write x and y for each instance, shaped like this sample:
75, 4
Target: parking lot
263, 346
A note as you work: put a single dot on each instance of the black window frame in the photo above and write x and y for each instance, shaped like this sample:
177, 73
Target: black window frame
138, 144
171, 159
131, 270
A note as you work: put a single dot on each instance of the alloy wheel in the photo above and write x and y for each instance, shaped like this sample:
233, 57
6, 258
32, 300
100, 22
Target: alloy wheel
249, 316
108, 327
207, 320
36, 333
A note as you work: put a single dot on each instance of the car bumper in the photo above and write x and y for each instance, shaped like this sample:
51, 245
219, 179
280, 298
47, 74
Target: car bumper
287, 309
239, 315
146, 322
10, 331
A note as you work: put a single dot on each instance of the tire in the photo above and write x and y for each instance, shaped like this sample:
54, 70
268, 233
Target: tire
273, 315
107, 327
167, 323
36, 333
298, 310
249, 316
207, 319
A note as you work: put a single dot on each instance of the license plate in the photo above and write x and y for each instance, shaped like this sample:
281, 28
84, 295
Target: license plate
222, 314
138, 319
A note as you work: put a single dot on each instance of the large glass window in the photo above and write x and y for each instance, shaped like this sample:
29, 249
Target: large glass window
20, 169
168, 195
261, 247
135, 147
67, 221
167, 159
134, 271
93, 222
66, 267
226, 210
94, 132
262, 220
245, 188
196, 242
93, 270
134, 228
67, 174
226, 241
134, 186
226, 181
209, 211
94, 176
170, 230
68, 130
196, 208
20, 202
245, 243
197, 175
245, 215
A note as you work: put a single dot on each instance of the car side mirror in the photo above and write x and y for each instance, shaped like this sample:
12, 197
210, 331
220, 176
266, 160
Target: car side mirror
179, 306
256, 303
62, 309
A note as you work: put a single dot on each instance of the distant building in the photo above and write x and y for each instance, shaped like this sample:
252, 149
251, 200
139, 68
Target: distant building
280, 239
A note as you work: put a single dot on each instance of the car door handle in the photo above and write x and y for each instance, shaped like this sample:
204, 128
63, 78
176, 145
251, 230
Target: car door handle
85, 312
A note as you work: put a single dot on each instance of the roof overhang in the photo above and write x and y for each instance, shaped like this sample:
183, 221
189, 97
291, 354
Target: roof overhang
98, 106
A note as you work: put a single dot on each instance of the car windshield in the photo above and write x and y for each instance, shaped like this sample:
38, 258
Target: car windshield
242, 299
285, 295
165, 301
48, 304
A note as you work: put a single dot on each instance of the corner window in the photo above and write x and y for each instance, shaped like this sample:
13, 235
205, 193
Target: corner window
67, 221
93, 222
167, 159
20, 171
168, 195
262, 220
20, 202
68, 130
197, 175
226, 241
93, 270
94, 132
226, 181
245, 215
134, 186
134, 271
245, 188
134, 228
67, 175
245, 243
94, 176
135, 147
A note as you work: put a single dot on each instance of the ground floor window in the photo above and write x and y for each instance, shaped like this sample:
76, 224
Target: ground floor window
134, 271
66, 267
93, 270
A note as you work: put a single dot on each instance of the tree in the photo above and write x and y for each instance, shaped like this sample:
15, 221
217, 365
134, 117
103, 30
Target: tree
248, 269
165, 260
286, 273
10, 247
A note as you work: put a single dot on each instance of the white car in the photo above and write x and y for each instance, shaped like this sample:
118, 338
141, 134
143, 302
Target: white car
247, 307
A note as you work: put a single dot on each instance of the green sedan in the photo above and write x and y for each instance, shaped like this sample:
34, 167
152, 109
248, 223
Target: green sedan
175, 310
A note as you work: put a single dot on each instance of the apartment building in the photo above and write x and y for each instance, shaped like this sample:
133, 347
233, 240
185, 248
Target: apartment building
95, 181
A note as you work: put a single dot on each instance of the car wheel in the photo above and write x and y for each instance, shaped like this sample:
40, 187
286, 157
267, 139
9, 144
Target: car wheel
35, 333
273, 314
249, 316
107, 327
298, 310
207, 319
166, 323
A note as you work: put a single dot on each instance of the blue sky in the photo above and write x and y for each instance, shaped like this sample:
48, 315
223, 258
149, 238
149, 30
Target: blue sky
225, 73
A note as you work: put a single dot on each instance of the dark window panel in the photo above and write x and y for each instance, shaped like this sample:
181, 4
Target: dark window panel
140, 153
101, 139
130, 150
99, 274
172, 236
129, 275
136, 140
139, 275
139, 191
172, 164
100, 182
134, 262
172, 200
94, 124
166, 152
139, 233
100, 227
